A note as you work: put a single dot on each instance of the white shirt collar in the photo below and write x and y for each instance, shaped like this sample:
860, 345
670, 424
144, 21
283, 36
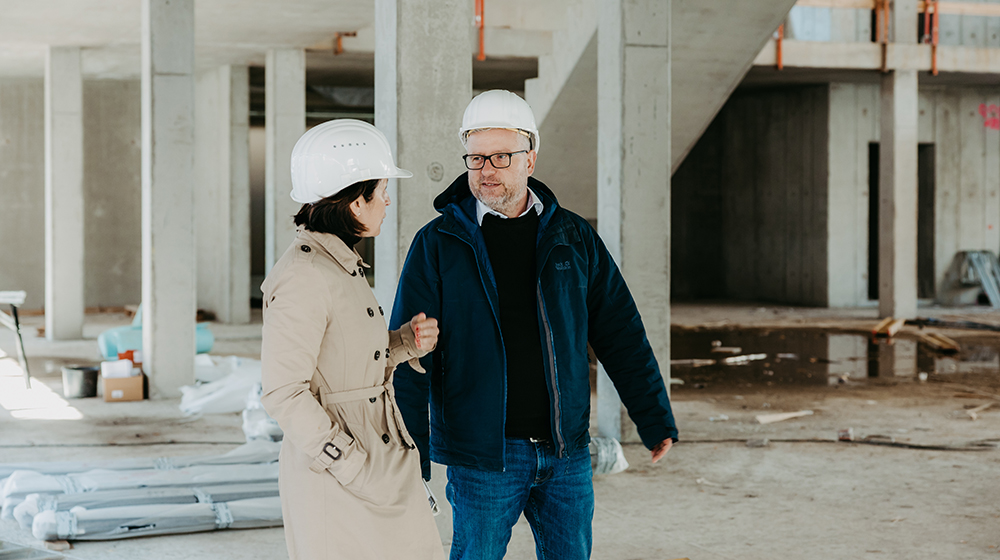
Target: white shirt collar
534, 203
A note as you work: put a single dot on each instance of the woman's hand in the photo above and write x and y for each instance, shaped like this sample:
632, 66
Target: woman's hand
425, 331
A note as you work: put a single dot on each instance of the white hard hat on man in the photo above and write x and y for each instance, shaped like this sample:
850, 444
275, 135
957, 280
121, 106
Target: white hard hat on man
337, 154
498, 108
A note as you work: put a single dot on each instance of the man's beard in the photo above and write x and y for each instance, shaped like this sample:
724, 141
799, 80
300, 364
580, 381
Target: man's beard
503, 202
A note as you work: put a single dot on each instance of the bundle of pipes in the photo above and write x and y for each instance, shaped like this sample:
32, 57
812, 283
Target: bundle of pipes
22, 483
252, 452
34, 504
159, 519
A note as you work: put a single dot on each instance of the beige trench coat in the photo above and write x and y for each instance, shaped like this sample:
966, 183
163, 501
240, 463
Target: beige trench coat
350, 475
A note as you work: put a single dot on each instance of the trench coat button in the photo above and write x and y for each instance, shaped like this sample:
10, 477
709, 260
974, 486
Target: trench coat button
387, 353
385, 438
380, 312
377, 354
305, 248
370, 312
362, 271
373, 399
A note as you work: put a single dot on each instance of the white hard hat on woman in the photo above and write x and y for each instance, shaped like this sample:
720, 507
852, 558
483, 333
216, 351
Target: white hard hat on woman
337, 154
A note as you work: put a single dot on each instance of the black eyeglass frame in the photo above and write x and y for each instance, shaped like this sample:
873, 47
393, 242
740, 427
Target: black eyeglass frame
510, 156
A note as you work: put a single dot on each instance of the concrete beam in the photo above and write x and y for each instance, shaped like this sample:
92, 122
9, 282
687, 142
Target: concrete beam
168, 249
868, 56
222, 197
284, 123
420, 113
64, 233
633, 168
897, 272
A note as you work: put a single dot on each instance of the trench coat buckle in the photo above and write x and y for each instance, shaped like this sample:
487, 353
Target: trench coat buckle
335, 448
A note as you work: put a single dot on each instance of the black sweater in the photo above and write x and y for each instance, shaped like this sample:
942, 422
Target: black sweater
511, 247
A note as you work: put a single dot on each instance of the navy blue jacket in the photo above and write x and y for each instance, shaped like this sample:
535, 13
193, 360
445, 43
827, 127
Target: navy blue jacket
581, 297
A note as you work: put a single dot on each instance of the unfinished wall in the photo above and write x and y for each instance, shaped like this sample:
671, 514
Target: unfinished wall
775, 196
967, 205
853, 125
22, 188
751, 203
850, 25
112, 164
966, 178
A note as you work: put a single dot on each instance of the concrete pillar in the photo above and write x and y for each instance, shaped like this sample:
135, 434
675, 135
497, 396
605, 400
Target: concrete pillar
633, 169
168, 249
64, 232
905, 14
897, 267
222, 194
897, 358
284, 123
420, 113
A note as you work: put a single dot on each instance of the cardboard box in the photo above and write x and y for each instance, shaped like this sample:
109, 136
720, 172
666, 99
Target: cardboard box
122, 389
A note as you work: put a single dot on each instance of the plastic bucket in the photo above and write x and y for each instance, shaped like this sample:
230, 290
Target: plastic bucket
80, 381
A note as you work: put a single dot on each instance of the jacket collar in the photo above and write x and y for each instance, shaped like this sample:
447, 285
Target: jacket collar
347, 257
459, 207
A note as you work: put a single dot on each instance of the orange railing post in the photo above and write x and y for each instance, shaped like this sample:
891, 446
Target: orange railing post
779, 58
934, 37
479, 25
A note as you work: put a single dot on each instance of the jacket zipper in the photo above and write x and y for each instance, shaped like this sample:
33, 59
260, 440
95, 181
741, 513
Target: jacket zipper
503, 447
552, 371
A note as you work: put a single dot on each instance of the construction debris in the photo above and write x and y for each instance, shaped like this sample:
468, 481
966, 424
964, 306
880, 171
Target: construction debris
780, 416
845, 434
760, 442
974, 412
888, 327
939, 342
727, 350
693, 362
743, 360
932, 322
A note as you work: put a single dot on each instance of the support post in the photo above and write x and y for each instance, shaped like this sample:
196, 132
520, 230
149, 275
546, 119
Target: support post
64, 233
168, 249
222, 169
284, 123
420, 113
897, 272
633, 192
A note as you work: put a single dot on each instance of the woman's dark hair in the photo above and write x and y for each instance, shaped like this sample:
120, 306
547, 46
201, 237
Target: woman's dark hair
333, 213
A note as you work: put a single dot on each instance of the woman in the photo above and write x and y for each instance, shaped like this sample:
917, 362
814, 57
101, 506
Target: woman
350, 475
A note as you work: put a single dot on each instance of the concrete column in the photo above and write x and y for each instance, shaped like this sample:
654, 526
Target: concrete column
168, 249
64, 232
284, 123
420, 113
222, 195
633, 169
897, 267
905, 14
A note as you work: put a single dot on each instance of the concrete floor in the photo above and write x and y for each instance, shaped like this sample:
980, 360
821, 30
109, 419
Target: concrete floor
803, 495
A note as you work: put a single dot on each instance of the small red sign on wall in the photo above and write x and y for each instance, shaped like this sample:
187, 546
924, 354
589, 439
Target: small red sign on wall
991, 116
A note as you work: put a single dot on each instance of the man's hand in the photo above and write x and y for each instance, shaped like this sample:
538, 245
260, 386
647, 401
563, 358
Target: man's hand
425, 331
661, 449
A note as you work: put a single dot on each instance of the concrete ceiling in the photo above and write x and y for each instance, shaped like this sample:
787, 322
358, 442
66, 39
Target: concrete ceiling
233, 31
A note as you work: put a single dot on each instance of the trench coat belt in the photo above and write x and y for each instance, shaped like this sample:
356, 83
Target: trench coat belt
392, 414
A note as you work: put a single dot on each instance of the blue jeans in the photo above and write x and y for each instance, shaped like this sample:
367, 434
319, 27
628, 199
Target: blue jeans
555, 495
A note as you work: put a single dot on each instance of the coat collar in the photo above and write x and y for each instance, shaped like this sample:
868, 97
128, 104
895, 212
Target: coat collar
347, 257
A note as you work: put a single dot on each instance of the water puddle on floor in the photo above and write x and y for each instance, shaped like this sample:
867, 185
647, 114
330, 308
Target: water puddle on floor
770, 358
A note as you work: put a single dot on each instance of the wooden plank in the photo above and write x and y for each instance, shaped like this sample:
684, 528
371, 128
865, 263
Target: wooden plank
881, 326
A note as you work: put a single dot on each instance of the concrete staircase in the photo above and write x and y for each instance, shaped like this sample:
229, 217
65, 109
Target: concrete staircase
714, 45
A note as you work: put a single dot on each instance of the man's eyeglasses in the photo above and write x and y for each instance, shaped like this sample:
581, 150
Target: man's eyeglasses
499, 160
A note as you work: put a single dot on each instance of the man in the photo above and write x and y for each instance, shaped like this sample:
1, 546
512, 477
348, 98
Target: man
520, 285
